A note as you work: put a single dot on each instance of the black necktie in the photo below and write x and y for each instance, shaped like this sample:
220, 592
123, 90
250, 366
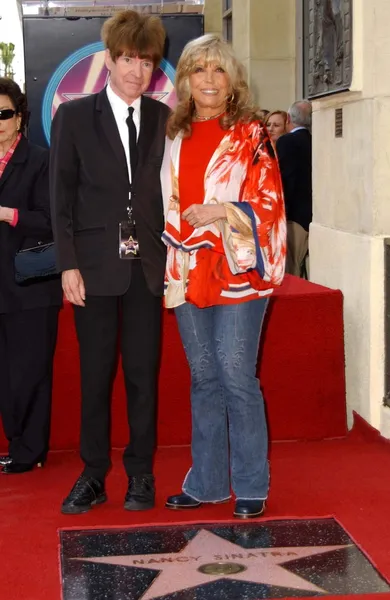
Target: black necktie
132, 143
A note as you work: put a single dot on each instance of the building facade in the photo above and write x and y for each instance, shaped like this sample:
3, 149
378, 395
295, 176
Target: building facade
351, 164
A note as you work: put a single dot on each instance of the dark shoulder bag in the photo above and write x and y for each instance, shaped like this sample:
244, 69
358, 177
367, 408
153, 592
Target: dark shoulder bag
35, 263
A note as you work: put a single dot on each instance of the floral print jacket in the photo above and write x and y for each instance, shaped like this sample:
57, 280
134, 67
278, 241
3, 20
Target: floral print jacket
243, 256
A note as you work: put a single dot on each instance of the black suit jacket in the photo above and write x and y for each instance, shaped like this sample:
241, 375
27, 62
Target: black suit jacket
89, 186
294, 154
25, 185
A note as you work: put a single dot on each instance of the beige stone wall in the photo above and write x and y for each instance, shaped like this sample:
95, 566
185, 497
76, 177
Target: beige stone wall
264, 38
351, 186
272, 35
213, 16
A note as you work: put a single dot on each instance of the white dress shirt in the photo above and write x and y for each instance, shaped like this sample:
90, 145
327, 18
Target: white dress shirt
120, 108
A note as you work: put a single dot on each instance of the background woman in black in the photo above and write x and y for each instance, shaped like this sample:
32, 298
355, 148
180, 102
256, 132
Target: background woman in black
28, 312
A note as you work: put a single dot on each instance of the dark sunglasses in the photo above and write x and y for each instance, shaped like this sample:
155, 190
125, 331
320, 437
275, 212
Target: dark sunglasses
7, 113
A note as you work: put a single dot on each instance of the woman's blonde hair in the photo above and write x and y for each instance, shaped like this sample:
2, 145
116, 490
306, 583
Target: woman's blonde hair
210, 48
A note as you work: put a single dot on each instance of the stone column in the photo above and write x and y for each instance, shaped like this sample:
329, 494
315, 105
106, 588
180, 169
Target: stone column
213, 16
351, 187
264, 38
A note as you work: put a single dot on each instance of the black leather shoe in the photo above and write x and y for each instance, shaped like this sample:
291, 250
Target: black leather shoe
85, 493
140, 493
11, 466
14, 467
182, 501
249, 509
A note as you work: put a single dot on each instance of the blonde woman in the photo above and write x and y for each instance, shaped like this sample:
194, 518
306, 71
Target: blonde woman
276, 124
226, 240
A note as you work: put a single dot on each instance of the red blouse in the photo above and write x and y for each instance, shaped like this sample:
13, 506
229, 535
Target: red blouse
195, 155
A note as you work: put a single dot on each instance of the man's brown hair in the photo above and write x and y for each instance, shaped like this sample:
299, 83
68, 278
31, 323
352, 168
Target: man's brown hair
133, 34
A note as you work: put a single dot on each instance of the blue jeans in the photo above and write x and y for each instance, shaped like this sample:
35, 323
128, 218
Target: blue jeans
221, 344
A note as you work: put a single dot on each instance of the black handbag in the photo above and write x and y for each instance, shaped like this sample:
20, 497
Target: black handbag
35, 263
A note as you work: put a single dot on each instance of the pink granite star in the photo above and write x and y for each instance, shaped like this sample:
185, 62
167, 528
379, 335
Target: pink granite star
181, 570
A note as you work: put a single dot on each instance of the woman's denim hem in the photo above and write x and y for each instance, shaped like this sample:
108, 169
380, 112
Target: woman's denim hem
250, 499
205, 501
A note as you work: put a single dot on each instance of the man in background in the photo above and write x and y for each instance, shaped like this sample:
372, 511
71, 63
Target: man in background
294, 154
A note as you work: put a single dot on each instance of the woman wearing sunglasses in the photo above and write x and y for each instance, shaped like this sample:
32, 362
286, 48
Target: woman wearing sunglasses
28, 312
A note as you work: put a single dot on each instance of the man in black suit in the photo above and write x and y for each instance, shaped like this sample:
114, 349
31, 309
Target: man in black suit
106, 155
294, 154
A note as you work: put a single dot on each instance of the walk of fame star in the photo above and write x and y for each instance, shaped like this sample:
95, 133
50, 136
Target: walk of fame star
186, 569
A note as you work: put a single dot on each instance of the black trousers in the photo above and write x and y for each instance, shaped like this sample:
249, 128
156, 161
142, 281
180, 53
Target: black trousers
27, 345
136, 318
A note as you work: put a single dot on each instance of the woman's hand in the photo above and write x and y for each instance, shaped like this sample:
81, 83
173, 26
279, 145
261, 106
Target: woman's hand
198, 215
6, 214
